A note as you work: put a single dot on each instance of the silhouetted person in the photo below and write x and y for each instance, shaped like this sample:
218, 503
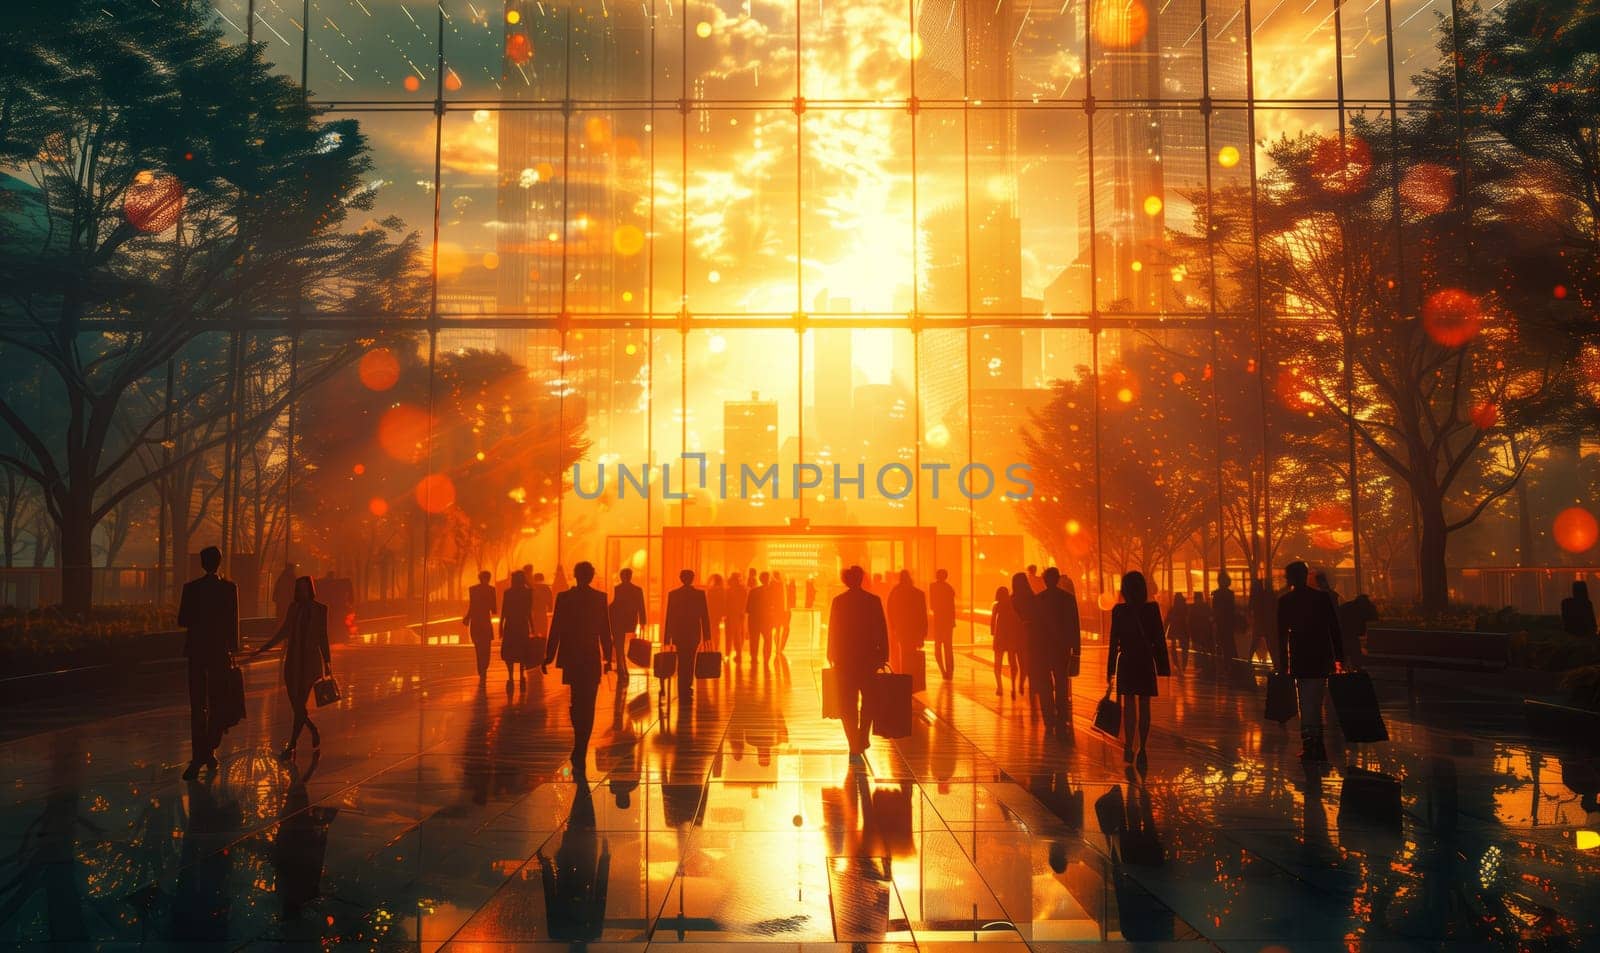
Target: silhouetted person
1057, 641
759, 612
687, 627
783, 609
480, 622
1137, 654
717, 609
1224, 618
1178, 625
908, 621
942, 603
544, 599
1202, 629
1263, 620
811, 592
1320, 582
627, 617
516, 630
1354, 617
580, 645
1310, 648
737, 600
1577, 612
283, 590
304, 634
858, 644
209, 613
1022, 603
1035, 581
1005, 627
575, 880
301, 844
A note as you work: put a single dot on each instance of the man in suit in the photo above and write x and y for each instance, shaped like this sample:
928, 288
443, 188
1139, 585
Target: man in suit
544, 599
908, 623
1311, 647
759, 610
627, 617
942, 602
1057, 640
688, 625
481, 603
209, 612
858, 644
580, 645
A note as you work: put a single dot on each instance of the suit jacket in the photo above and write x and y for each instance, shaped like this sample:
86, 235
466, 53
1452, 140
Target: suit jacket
688, 620
942, 600
627, 609
908, 614
758, 606
480, 612
580, 635
1057, 631
516, 614
543, 599
858, 634
1308, 633
209, 611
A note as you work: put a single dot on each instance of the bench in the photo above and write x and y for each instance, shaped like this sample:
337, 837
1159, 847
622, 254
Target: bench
1437, 649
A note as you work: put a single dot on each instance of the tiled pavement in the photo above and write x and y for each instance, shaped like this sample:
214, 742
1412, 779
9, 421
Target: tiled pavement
442, 816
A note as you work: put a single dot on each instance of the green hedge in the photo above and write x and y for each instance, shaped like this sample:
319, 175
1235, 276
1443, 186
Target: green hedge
1547, 650
46, 633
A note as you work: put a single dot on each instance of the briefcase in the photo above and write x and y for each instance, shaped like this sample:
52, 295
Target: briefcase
708, 665
666, 663
639, 652
1356, 703
891, 705
1108, 716
1370, 796
1283, 701
325, 690
1074, 664
917, 668
536, 649
227, 707
832, 694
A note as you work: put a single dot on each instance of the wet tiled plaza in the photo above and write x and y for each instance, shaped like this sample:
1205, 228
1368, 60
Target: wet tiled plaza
441, 815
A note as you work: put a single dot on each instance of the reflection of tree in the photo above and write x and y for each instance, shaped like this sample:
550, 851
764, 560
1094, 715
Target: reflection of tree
46, 862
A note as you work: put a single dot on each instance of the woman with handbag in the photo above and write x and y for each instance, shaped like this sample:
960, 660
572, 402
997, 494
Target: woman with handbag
1137, 654
306, 659
1022, 603
1006, 628
516, 630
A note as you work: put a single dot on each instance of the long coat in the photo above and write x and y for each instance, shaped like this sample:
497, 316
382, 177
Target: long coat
1309, 637
516, 626
580, 635
908, 615
304, 634
1056, 632
209, 612
1138, 651
858, 634
688, 621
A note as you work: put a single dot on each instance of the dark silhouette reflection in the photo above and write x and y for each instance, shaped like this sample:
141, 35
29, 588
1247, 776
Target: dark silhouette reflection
1132, 841
575, 879
476, 768
619, 758
201, 904
302, 843
45, 862
859, 868
1056, 793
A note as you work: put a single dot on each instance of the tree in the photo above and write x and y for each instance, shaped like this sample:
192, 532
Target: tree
176, 185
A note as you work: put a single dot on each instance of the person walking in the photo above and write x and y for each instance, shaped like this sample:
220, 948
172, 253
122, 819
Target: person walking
908, 622
1224, 620
858, 645
283, 591
544, 599
1310, 648
1577, 612
580, 645
306, 659
1202, 626
1005, 628
1058, 640
738, 600
1137, 655
1022, 603
687, 627
516, 630
1178, 627
627, 618
208, 612
717, 609
479, 621
783, 608
758, 613
942, 602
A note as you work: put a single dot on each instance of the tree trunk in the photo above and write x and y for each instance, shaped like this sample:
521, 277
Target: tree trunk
77, 555
1434, 578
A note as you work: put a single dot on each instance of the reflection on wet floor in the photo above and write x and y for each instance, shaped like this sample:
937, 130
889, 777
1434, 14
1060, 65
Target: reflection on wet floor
440, 814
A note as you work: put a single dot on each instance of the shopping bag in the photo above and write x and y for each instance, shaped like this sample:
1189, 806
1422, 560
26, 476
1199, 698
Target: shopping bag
536, 649
1370, 796
325, 690
1283, 701
665, 664
891, 705
832, 694
1108, 716
639, 652
708, 664
1356, 703
891, 812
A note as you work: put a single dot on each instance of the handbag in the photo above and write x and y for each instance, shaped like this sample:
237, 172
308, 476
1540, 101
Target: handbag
537, 646
639, 652
1283, 702
1356, 703
708, 664
832, 694
891, 705
325, 690
1370, 796
1108, 715
665, 664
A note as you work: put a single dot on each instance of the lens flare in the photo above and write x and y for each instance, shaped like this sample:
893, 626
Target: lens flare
1228, 157
436, 493
1576, 530
1452, 317
1428, 188
1120, 24
378, 369
403, 433
153, 201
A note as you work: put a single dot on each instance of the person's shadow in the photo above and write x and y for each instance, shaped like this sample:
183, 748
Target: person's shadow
576, 878
302, 843
201, 906
46, 861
